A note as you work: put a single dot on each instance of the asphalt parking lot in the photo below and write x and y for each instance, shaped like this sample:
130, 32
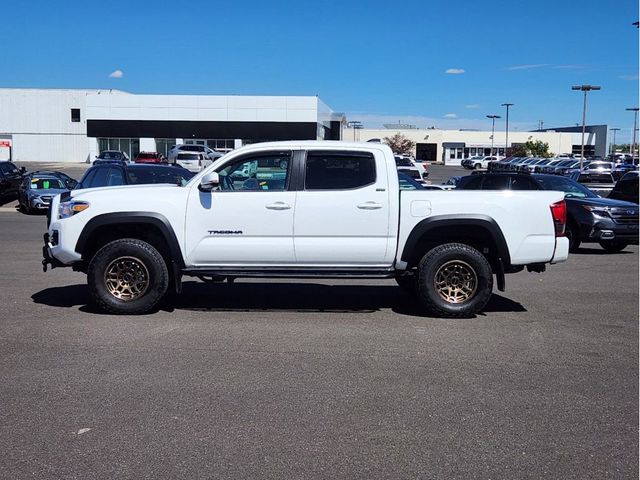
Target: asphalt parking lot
318, 379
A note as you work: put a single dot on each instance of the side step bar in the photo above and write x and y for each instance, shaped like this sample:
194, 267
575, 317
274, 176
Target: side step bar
267, 272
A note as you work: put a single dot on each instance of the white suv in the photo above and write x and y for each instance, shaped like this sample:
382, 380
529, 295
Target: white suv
191, 148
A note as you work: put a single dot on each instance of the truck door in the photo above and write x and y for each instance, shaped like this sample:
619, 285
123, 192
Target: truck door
248, 221
342, 210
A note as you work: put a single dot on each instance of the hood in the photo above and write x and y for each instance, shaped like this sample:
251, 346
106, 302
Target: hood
603, 202
48, 191
153, 188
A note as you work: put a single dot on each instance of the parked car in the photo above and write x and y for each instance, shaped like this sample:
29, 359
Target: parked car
408, 183
626, 188
37, 190
108, 175
611, 223
111, 156
10, 178
409, 167
477, 162
150, 157
452, 181
26, 184
193, 161
209, 153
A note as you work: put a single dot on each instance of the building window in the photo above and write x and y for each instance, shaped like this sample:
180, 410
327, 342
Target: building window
75, 114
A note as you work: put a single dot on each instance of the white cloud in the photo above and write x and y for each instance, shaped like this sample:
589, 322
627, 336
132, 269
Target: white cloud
116, 74
472, 105
450, 115
529, 66
628, 77
454, 71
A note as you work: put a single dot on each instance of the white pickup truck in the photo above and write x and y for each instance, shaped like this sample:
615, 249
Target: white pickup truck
308, 209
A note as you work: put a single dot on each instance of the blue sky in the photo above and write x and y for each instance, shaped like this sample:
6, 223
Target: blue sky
378, 61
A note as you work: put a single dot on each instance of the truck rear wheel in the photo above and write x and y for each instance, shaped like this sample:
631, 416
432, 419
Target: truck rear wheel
454, 280
127, 276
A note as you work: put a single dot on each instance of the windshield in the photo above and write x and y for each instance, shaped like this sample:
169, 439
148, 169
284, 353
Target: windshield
189, 156
570, 188
403, 162
46, 184
175, 176
111, 155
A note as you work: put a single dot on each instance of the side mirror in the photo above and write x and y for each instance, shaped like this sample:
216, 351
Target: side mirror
23, 170
209, 181
71, 184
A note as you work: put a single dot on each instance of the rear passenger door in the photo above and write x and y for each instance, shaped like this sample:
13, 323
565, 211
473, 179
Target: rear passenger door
342, 210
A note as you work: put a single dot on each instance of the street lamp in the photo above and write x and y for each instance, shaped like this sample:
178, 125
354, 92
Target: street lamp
613, 142
585, 89
506, 140
635, 126
493, 128
356, 125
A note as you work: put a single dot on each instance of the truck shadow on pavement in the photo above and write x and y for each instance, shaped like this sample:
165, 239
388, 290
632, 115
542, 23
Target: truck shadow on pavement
273, 297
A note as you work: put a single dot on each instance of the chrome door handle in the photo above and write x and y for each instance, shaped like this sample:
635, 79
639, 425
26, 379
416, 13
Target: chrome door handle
370, 206
278, 206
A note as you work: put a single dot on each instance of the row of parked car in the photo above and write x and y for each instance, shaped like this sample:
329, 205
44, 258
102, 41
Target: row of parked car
192, 157
611, 221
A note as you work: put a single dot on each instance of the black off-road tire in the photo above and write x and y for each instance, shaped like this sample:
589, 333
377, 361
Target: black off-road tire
451, 254
613, 246
140, 251
572, 234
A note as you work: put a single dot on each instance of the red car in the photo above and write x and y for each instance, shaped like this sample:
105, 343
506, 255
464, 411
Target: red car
150, 157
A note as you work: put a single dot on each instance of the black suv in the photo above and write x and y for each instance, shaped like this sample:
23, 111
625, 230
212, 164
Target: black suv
626, 188
590, 218
112, 174
10, 178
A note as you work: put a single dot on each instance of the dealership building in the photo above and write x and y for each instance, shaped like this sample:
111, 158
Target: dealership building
50, 125
452, 146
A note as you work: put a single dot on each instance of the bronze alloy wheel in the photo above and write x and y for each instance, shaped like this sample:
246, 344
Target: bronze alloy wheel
456, 281
126, 278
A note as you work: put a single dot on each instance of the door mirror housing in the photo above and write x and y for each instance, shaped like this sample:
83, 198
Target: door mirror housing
209, 181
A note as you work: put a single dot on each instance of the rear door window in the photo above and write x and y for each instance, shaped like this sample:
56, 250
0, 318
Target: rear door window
472, 182
339, 170
523, 183
498, 182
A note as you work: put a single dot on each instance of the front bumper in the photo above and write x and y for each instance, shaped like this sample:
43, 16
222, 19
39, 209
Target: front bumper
48, 259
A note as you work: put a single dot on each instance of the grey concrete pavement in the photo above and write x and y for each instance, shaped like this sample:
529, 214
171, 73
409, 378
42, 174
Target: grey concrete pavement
318, 379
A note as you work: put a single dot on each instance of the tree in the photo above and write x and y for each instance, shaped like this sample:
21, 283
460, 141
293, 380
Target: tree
400, 144
536, 149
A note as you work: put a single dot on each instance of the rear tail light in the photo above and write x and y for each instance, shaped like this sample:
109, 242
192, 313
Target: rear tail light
559, 215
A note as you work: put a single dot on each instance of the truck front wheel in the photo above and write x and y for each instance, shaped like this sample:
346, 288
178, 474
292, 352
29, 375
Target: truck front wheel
454, 280
127, 276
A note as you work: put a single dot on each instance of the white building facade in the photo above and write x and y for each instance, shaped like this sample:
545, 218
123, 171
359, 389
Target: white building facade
45, 125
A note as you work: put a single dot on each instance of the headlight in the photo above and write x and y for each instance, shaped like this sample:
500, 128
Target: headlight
600, 211
69, 209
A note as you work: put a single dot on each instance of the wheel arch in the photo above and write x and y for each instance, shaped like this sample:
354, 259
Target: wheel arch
479, 231
148, 226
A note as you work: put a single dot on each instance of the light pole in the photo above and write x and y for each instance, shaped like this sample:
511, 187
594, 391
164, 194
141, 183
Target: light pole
633, 136
613, 144
506, 130
585, 89
356, 125
493, 128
